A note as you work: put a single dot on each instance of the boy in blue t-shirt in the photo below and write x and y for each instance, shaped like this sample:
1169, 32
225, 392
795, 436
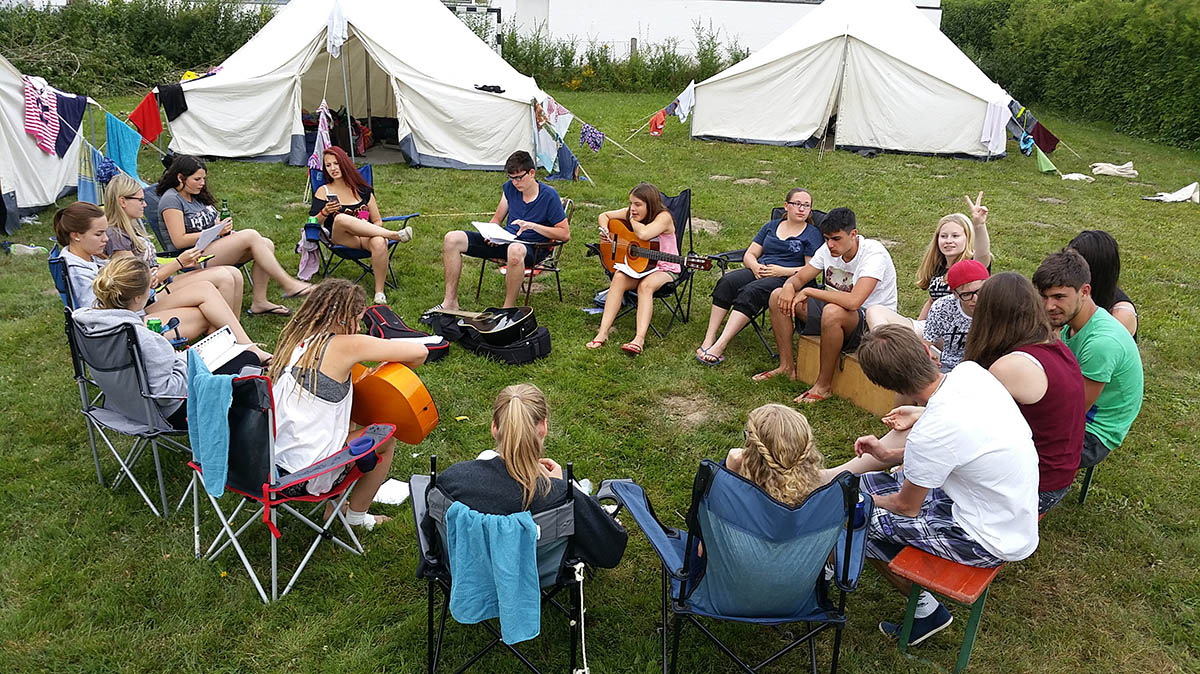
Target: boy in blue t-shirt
531, 210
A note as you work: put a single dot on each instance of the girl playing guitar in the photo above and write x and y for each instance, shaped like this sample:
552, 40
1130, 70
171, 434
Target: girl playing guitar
313, 393
650, 221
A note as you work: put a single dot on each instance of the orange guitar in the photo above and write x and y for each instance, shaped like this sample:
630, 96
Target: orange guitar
638, 254
390, 393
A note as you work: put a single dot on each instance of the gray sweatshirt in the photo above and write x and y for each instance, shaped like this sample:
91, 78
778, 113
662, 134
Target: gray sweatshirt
166, 370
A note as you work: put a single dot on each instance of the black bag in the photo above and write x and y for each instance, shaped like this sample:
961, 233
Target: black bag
533, 346
380, 321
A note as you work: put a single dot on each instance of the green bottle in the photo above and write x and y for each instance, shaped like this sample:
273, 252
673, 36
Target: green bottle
225, 210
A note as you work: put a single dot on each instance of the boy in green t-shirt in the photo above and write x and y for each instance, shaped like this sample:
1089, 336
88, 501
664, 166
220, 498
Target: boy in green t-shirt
1107, 354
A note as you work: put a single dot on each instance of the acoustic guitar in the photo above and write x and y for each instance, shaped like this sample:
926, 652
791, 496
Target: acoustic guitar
390, 393
638, 254
497, 327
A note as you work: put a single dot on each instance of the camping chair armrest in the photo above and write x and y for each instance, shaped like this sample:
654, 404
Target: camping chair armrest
152, 396
377, 433
847, 580
548, 245
668, 543
605, 493
400, 218
418, 485
723, 260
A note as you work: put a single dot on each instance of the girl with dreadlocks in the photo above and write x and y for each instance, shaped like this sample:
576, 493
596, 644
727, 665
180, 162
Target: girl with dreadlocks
517, 476
313, 395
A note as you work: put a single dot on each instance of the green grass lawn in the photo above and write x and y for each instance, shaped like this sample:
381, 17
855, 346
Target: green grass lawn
90, 581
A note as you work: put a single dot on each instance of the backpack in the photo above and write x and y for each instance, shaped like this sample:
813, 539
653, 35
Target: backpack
380, 321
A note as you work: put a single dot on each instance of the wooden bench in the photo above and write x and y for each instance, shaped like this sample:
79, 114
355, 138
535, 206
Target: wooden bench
849, 381
966, 585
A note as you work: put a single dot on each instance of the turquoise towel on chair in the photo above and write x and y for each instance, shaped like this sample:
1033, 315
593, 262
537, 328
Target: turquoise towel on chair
208, 401
493, 567
122, 145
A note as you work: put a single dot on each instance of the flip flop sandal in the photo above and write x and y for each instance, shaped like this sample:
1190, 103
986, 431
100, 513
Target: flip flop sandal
808, 398
631, 348
595, 344
704, 360
277, 310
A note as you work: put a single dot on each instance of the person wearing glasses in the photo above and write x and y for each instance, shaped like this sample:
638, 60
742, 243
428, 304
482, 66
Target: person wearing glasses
949, 318
781, 248
529, 210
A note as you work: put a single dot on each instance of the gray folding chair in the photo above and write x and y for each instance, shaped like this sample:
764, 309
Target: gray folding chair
112, 361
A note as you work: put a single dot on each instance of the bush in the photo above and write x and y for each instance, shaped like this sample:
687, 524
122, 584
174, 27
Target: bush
1128, 62
120, 46
656, 66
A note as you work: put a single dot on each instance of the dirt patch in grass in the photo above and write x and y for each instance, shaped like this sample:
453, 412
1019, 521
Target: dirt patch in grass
911, 165
689, 411
888, 243
720, 177
1052, 200
707, 226
751, 181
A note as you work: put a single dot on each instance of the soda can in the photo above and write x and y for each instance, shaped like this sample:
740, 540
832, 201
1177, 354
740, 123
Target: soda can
155, 324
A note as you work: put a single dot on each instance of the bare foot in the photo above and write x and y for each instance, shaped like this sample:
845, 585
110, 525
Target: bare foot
763, 376
264, 357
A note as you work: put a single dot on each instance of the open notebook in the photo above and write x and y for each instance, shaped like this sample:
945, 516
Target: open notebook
218, 348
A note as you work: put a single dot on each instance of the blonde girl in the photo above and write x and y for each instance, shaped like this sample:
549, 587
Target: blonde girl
517, 476
124, 208
313, 395
956, 237
780, 455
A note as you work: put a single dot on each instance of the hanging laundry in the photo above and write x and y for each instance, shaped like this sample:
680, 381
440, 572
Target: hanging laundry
686, 100
336, 34
547, 149
322, 143
1044, 139
70, 115
671, 108
1190, 193
86, 189
1022, 120
1026, 142
568, 165
554, 109
1043, 163
591, 136
41, 112
994, 136
563, 123
657, 122
145, 117
122, 144
172, 99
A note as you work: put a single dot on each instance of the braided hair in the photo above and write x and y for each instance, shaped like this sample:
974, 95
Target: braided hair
780, 455
334, 307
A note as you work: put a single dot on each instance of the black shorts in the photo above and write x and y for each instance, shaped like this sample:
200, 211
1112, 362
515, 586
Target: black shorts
740, 291
1094, 451
477, 246
811, 325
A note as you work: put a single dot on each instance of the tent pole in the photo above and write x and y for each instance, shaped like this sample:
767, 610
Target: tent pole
349, 119
367, 72
838, 97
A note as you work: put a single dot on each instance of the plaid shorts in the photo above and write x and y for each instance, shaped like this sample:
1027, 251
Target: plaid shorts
934, 530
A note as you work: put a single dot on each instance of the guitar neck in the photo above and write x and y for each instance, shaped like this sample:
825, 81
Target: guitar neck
656, 255
460, 314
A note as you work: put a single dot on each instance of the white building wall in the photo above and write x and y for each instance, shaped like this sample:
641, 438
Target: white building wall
752, 23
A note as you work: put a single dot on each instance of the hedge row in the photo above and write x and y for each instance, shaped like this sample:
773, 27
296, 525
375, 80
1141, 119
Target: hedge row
1134, 63
93, 48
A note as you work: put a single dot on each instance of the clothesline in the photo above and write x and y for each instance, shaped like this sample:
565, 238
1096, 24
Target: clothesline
126, 123
611, 140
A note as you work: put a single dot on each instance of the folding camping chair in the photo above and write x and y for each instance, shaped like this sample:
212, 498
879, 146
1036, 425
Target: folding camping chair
763, 562
114, 394
332, 255
551, 264
252, 476
730, 257
167, 247
558, 569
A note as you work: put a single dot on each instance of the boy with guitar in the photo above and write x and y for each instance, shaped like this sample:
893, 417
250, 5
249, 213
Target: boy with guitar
649, 221
534, 214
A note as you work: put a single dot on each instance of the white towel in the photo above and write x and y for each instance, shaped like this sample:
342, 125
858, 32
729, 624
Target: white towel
1190, 193
686, 100
994, 134
1078, 176
1125, 170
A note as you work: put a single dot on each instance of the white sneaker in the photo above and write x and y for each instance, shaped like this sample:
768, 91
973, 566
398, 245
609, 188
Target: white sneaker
406, 235
380, 298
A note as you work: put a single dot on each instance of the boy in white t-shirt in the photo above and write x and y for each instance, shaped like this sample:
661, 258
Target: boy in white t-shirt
858, 273
968, 491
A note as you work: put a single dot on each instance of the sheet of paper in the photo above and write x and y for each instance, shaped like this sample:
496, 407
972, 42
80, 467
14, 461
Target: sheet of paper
392, 492
494, 233
207, 236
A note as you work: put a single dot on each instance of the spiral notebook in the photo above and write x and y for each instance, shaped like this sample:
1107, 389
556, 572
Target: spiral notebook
218, 348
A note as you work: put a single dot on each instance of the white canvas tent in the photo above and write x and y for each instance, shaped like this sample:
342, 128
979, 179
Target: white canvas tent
408, 59
29, 177
892, 79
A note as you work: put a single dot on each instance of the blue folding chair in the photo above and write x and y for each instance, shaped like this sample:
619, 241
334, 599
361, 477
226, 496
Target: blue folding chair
332, 255
763, 562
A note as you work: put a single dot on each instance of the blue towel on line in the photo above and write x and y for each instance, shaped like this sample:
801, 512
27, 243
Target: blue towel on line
123, 143
493, 564
567, 163
208, 401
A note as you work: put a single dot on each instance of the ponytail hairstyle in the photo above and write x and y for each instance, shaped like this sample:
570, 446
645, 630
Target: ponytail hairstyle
935, 263
780, 455
120, 282
122, 186
515, 417
334, 307
74, 219
184, 166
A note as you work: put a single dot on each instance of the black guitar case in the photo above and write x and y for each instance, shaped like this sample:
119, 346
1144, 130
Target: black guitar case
380, 321
532, 344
